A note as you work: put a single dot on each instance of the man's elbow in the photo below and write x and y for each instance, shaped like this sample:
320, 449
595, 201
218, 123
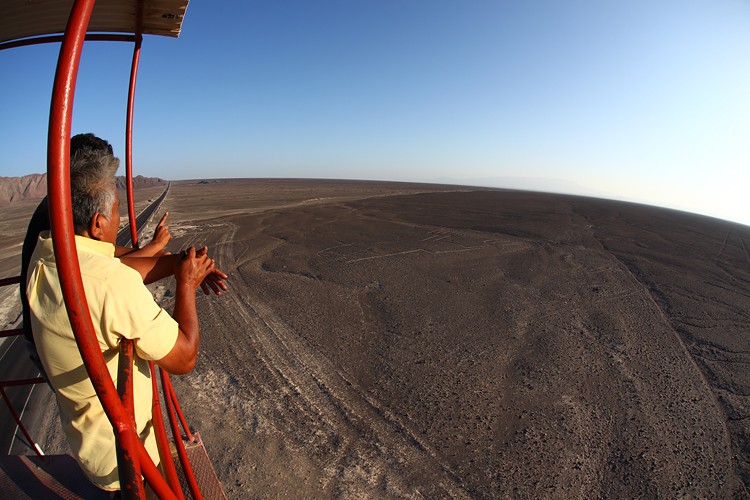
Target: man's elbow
181, 359
181, 368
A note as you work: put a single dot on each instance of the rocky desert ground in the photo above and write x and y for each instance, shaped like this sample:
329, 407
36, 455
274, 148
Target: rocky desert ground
386, 340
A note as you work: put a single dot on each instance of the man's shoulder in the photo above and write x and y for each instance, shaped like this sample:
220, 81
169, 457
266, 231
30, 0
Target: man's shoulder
107, 269
114, 271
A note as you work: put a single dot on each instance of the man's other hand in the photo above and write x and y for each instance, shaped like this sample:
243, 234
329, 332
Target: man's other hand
193, 268
215, 280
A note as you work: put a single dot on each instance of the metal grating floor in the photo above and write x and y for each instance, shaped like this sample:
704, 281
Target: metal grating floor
57, 476
204, 472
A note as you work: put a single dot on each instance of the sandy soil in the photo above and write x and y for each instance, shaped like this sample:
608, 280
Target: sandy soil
390, 340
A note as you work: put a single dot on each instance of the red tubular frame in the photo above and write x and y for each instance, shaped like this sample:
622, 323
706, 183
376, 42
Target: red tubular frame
167, 463
187, 469
152, 474
129, 136
178, 410
24, 381
125, 377
15, 383
133, 459
61, 220
106, 37
5, 397
10, 281
11, 333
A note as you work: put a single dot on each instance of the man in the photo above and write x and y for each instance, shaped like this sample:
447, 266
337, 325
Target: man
120, 307
40, 222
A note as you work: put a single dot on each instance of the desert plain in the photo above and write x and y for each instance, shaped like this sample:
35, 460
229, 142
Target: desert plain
387, 340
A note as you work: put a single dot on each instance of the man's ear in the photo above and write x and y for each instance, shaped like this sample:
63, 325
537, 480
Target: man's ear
96, 227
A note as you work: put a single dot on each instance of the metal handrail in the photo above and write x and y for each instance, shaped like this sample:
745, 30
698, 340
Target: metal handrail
178, 411
61, 219
11, 333
5, 397
133, 459
162, 443
106, 37
10, 281
177, 437
129, 136
20, 382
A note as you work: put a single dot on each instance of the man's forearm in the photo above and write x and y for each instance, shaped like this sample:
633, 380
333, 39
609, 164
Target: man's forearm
190, 270
121, 251
148, 250
152, 269
186, 315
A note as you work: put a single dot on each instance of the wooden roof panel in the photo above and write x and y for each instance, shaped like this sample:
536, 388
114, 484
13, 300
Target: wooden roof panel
29, 18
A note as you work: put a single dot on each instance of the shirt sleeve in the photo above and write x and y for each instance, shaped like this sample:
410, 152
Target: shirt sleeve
129, 311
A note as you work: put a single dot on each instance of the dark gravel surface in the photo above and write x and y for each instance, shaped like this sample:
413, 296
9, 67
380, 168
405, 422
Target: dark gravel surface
391, 340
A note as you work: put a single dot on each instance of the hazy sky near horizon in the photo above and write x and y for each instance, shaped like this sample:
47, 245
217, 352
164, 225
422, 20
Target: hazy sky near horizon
643, 100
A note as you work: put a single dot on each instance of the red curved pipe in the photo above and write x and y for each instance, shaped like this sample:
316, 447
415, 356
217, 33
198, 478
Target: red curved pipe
152, 474
107, 37
66, 256
132, 456
167, 463
129, 140
61, 215
178, 410
181, 452
125, 377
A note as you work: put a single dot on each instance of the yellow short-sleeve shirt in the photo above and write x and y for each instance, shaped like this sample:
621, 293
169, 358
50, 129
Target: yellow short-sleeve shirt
121, 307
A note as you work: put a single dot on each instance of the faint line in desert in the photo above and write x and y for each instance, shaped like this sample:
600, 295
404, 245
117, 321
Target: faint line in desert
723, 244
744, 247
436, 237
461, 250
383, 256
335, 246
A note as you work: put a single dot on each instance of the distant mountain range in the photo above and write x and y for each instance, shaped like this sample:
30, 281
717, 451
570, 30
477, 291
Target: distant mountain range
34, 186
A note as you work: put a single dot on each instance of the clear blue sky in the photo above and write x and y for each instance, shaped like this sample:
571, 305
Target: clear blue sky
643, 100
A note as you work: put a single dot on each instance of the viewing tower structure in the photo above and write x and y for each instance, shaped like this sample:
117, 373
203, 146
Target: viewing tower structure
71, 23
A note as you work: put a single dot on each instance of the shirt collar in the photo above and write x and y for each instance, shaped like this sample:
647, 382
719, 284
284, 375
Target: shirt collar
82, 243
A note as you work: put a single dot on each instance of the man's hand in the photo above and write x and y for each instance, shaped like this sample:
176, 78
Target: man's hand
153, 248
190, 269
215, 280
161, 234
193, 268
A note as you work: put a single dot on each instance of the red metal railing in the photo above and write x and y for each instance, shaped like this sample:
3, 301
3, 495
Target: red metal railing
66, 256
187, 468
132, 456
129, 137
133, 459
161, 439
108, 37
20, 382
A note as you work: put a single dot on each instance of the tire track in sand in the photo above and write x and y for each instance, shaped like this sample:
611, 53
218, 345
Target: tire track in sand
722, 246
358, 425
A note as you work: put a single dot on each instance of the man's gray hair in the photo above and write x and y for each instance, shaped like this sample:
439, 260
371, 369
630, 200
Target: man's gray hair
92, 186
